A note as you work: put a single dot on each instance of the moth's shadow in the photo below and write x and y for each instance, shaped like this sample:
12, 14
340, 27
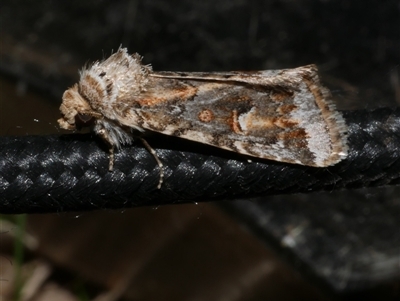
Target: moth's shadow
171, 143
160, 143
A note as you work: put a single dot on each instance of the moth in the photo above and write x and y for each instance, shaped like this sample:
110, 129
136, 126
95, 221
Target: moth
283, 115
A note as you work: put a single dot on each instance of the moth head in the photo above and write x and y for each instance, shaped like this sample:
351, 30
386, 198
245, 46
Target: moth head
75, 110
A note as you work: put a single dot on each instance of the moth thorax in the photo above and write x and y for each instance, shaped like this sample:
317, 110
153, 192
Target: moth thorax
97, 89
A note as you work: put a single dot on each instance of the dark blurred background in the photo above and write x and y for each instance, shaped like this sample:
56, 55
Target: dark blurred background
199, 251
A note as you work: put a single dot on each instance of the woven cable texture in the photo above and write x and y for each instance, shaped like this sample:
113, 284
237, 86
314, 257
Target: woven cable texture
69, 173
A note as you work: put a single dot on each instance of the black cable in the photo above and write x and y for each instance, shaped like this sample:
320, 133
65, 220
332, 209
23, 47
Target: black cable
69, 173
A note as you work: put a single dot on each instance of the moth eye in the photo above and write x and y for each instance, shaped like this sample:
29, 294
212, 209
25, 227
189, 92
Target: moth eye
83, 120
85, 117
102, 74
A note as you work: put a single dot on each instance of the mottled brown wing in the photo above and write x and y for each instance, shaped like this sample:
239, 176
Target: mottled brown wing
283, 115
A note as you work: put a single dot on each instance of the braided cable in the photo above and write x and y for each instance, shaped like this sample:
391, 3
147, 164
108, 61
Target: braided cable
69, 173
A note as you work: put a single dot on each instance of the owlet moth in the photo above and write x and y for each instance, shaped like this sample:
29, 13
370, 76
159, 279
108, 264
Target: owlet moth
283, 115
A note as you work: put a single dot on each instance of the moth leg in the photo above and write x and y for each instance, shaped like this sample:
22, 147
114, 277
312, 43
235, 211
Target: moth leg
111, 158
104, 135
160, 165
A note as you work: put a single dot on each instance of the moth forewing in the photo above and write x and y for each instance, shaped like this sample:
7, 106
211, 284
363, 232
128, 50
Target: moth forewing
284, 115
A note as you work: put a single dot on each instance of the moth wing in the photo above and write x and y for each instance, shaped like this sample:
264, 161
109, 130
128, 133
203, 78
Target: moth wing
282, 115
